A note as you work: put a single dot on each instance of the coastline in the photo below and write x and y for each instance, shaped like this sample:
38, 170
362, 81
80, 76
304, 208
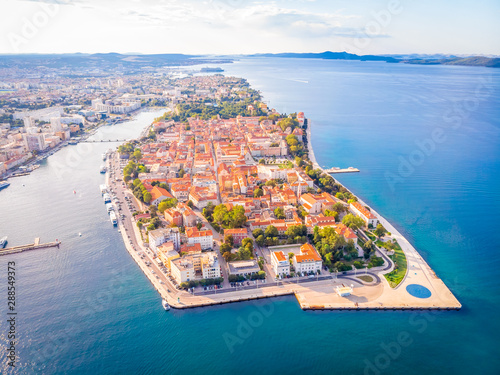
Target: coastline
414, 259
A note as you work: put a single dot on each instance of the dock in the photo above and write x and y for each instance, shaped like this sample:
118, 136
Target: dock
340, 170
32, 246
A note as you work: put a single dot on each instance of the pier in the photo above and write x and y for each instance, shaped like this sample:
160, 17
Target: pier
340, 170
33, 246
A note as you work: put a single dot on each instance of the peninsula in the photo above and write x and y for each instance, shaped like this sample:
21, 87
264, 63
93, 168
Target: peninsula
222, 201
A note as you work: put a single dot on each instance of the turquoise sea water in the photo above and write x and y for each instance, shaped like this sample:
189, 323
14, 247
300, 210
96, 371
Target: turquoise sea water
88, 309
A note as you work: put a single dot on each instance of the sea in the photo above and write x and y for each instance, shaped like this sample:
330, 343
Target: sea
427, 142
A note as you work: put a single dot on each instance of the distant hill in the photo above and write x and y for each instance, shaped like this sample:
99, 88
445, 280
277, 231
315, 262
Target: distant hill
104, 61
467, 61
328, 55
430, 60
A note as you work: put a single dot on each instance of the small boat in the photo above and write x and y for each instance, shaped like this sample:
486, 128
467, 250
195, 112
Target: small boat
107, 198
112, 217
103, 157
103, 169
165, 305
74, 191
3, 185
104, 188
79, 234
3, 242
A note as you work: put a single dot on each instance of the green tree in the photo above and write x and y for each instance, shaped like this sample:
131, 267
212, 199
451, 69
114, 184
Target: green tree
352, 221
331, 213
279, 213
260, 240
221, 214
229, 240
199, 225
181, 173
237, 217
257, 232
379, 231
244, 253
166, 204
137, 154
147, 197
225, 247
248, 243
271, 231
262, 161
258, 193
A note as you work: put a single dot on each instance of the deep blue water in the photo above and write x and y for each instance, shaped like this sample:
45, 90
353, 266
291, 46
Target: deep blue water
88, 309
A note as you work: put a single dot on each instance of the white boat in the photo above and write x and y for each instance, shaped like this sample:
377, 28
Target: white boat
107, 198
112, 217
104, 188
79, 234
103, 157
165, 305
109, 207
3, 242
103, 169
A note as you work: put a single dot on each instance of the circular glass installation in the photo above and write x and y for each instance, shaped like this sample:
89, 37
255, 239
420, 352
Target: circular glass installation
418, 291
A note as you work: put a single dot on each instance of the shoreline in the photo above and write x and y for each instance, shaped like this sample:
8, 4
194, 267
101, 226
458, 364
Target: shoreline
414, 260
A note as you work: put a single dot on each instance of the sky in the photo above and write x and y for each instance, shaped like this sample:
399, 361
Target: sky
247, 26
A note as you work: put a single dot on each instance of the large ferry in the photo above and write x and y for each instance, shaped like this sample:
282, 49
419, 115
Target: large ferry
4, 184
3, 242
112, 217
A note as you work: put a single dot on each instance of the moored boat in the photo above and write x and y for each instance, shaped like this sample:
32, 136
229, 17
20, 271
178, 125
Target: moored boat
4, 184
3, 242
165, 305
112, 217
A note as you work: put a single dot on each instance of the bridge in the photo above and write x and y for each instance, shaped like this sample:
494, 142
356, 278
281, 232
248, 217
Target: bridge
104, 140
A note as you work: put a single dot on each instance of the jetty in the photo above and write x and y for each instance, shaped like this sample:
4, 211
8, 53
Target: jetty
341, 170
32, 246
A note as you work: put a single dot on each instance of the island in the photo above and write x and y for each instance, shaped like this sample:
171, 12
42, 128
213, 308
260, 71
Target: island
221, 200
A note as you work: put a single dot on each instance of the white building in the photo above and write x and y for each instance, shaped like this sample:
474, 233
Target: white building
204, 238
363, 213
34, 142
182, 270
197, 266
308, 260
280, 263
115, 107
160, 236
